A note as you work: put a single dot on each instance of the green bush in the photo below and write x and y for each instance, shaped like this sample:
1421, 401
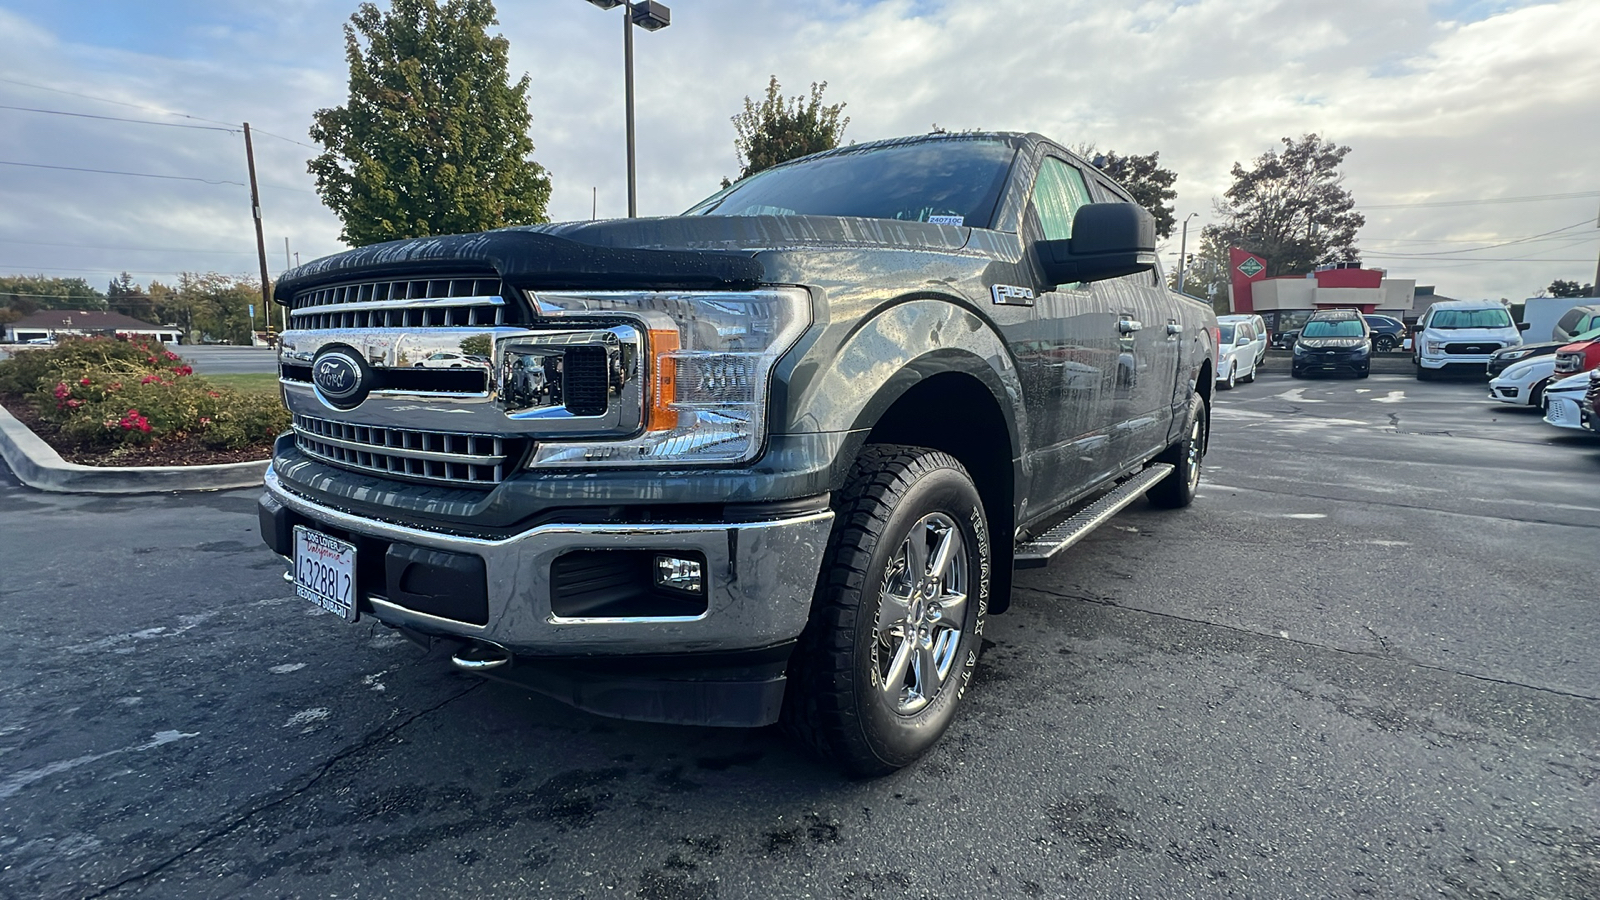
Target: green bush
105, 393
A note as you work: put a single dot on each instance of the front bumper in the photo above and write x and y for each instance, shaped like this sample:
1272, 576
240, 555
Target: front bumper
1455, 360
1563, 411
759, 580
1332, 361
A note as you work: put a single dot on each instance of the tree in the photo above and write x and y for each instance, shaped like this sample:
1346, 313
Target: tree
433, 138
124, 295
1146, 180
1559, 288
1290, 208
41, 292
778, 130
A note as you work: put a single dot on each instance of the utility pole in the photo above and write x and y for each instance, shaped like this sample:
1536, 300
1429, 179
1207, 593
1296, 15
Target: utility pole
261, 242
1595, 291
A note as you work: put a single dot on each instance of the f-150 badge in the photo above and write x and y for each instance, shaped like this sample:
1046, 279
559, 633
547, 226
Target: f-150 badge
1011, 295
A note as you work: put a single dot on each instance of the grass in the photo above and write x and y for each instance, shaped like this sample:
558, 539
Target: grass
251, 383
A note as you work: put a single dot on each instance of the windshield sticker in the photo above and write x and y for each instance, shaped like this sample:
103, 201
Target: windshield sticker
947, 220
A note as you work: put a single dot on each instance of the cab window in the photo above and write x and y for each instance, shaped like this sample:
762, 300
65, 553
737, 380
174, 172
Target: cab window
1058, 193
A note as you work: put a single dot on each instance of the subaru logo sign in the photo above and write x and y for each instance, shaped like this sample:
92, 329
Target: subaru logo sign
339, 377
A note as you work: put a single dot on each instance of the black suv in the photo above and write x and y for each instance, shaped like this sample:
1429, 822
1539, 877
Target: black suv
1387, 331
1333, 340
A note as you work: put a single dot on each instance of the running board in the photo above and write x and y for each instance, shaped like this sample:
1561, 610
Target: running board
1038, 552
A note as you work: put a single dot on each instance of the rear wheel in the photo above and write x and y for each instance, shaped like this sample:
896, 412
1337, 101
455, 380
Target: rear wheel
897, 620
1251, 378
1384, 343
1186, 455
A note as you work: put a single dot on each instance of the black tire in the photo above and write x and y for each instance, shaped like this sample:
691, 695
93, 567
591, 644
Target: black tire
1364, 373
839, 701
1295, 373
1536, 393
1384, 342
1424, 374
1251, 378
1187, 454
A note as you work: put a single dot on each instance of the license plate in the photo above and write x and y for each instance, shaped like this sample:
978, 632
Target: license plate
325, 572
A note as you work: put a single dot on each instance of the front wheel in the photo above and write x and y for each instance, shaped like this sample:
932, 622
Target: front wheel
1424, 373
897, 620
1232, 379
1384, 343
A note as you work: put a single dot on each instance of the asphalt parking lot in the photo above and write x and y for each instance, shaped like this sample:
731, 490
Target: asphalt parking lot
1362, 664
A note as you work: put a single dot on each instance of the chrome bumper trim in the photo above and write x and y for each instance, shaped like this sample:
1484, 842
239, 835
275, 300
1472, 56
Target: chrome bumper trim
760, 580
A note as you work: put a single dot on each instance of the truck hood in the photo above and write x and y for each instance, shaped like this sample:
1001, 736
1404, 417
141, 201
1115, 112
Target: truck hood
676, 253
1507, 336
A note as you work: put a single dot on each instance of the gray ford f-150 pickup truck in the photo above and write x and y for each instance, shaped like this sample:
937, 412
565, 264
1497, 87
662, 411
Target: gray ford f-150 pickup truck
773, 459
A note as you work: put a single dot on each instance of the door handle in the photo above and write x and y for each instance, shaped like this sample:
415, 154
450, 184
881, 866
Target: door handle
1129, 326
1173, 327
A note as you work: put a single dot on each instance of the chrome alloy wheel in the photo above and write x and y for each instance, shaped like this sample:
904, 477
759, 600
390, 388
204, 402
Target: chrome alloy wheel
921, 612
1192, 458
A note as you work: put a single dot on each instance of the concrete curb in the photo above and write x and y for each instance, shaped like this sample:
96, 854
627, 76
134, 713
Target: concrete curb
37, 465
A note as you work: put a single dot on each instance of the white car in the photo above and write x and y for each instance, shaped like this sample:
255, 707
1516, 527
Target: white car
1463, 334
1561, 401
1260, 326
1236, 354
1524, 383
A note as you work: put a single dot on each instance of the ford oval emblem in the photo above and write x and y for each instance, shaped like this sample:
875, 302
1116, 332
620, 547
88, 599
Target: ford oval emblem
338, 376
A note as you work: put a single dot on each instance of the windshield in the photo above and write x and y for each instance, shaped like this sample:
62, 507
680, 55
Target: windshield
1493, 317
1322, 328
1591, 335
1226, 336
949, 181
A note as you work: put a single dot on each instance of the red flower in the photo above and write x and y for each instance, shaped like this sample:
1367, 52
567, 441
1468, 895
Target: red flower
149, 378
74, 404
62, 391
212, 394
151, 359
114, 386
84, 381
170, 355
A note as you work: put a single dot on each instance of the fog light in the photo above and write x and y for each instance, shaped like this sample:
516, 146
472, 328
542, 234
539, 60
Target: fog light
679, 574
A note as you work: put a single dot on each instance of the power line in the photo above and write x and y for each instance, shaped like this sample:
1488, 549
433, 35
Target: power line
57, 112
110, 172
128, 249
115, 102
1509, 243
146, 107
1535, 198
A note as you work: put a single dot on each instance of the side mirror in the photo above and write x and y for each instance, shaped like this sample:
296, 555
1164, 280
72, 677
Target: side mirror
1108, 240
1523, 326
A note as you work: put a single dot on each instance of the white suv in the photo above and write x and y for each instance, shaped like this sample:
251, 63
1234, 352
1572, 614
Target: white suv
1462, 333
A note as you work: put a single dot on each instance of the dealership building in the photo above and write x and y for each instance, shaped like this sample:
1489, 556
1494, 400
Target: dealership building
1287, 301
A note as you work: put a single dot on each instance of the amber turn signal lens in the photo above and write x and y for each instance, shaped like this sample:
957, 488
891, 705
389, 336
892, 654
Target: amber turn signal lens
663, 380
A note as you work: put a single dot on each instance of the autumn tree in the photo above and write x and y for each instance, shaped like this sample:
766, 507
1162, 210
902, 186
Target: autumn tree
1146, 180
434, 137
777, 129
1290, 208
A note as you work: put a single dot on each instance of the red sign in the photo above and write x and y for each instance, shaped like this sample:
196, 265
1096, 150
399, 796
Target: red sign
1247, 269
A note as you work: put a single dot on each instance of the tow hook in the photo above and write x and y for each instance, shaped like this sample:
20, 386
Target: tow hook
480, 656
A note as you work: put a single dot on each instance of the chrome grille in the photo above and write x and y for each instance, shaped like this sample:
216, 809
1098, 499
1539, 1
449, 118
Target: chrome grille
463, 302
471, 460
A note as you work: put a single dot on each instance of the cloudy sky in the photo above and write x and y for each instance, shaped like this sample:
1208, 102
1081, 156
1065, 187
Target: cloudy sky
1475, 124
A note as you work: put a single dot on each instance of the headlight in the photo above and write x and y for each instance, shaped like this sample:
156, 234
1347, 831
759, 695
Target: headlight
1362, 349
708, 363
1512, 355
1434, 347
1299, 348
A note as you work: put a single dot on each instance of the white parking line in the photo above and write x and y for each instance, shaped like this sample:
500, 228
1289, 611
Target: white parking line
1391, 397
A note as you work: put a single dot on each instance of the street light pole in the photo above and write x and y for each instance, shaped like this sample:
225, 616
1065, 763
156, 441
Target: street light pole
651, 16
1183, 251
627, 70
